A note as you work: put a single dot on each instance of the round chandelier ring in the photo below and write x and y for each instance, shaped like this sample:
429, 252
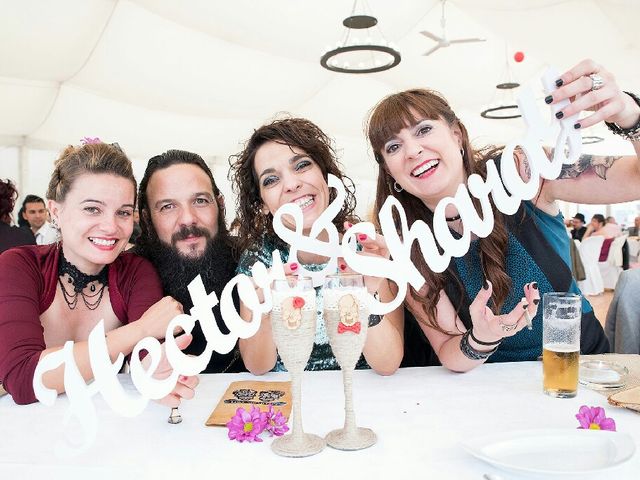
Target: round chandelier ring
353, 48
490, 113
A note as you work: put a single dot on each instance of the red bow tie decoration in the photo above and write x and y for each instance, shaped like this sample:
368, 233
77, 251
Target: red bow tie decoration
355, 328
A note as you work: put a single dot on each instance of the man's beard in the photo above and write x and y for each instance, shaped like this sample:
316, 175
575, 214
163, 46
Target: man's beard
215, 266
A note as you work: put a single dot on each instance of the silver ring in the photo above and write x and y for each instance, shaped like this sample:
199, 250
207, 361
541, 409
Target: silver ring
508, 328
596, 82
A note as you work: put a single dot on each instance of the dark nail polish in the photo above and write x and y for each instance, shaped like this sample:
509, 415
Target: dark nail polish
536, 301
577, 126
535, 285
293, 266
485, 285
559, 82
559, 115
548, 99
524, 307
343, 266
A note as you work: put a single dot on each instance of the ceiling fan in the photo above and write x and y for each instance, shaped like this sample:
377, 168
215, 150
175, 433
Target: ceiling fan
443, 41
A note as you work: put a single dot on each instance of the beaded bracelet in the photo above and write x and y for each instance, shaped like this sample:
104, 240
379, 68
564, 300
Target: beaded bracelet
631, 133
470, 352
480, 342
375, 319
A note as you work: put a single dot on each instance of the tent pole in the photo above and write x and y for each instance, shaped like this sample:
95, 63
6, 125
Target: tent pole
22, 165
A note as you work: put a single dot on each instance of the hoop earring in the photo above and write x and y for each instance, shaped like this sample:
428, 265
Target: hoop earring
397, 187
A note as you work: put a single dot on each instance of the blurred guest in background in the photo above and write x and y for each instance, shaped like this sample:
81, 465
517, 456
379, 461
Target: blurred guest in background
635, 230
11, 236
579, 227
35, 213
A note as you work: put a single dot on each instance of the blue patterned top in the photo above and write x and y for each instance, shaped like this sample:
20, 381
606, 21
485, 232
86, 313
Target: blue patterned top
522, 268
321, 356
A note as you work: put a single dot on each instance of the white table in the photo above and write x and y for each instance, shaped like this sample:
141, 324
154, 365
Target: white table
419, 414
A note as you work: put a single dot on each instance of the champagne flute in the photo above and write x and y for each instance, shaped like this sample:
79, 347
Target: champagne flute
346, 318
293, 321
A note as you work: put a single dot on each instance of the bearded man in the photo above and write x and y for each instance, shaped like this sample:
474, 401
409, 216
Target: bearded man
184, 234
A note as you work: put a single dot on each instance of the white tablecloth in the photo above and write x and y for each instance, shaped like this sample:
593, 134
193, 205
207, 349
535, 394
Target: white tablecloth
420, 415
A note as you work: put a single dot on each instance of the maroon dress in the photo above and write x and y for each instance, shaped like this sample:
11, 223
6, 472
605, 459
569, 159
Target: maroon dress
28, 282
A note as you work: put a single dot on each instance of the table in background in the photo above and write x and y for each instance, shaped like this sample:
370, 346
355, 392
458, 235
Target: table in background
420, 415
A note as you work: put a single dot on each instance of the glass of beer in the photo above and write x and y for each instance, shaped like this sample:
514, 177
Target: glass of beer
561, 315
293, 323
346, 318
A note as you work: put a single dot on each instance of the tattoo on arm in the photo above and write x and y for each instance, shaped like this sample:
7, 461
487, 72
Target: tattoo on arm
598, 164
524, 161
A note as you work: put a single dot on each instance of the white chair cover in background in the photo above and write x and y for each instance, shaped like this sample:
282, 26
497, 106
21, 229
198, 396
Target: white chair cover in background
623, 318
634, 248
612, 267
590, 253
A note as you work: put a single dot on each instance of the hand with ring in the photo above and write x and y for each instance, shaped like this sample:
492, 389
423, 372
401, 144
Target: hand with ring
488, 327
590, 86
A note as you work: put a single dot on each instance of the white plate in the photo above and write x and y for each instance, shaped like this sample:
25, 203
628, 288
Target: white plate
553, 451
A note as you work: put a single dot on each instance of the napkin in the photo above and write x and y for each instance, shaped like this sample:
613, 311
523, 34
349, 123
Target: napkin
627, 398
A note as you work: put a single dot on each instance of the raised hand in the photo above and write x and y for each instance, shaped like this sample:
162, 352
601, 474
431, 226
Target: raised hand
591, 87
489, 327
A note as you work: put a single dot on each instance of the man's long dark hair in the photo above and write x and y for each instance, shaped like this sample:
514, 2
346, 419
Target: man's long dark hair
148, 235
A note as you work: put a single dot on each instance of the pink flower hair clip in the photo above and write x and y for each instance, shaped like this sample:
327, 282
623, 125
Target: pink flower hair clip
90, 141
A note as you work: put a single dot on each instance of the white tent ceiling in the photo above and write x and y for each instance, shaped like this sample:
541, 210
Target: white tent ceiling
201, 74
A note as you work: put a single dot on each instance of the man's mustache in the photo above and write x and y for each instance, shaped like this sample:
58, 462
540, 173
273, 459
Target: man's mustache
190, 231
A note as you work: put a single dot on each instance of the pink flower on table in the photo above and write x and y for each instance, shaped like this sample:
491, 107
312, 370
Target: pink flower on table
247, 425
276, 422
593, 418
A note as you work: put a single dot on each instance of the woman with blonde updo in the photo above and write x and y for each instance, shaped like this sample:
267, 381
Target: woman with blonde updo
50, 294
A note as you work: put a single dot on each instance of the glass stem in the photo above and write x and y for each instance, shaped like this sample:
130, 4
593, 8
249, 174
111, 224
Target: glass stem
297, 432
349, 414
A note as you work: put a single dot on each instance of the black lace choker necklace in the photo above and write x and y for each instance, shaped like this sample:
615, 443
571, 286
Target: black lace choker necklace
452, 219
79, 282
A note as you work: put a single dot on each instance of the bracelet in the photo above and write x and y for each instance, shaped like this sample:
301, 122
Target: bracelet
479, 342
470, 352
632, 133
375, 319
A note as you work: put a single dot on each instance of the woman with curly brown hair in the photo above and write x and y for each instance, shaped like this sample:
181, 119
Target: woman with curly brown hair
424, 155
288, 161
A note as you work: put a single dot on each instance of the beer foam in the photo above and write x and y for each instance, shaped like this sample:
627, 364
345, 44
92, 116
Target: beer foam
562, 347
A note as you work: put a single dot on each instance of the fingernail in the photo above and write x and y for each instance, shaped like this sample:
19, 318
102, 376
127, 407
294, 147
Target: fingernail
559, 115
536, 301
362, 237
577, 126
350, 224
548, 99
485, 285
559, 82
183, 378
343, 266
524, 306
293, 266
535, 285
